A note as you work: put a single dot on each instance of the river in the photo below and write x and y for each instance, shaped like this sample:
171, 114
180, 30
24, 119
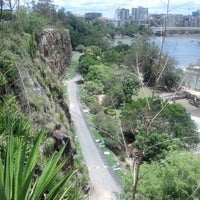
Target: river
184, 48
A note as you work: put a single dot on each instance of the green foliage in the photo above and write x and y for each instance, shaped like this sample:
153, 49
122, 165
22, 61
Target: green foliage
95, 107
17, 179
115, 97
85, 62
93, 88
87, 99
83, 33
153, 64
95, 51
6, 15
156, 145
99, 73
29, 22
45, 8
109, 129
181, 124
32, 47
172, 128
175, 178
122, 48
134, 29
11, 121
145, 56
130, 86
36, 24
172, 76
113, 57
6, 65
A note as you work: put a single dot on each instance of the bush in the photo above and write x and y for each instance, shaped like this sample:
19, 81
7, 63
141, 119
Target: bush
176, 178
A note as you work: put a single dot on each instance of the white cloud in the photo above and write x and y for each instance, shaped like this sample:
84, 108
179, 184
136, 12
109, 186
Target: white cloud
108, 7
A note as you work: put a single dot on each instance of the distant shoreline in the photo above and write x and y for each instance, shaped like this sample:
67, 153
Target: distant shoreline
168, 35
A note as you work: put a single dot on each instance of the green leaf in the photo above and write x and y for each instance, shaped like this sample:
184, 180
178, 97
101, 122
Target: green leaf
48, 174
8, 177
32, 161
19, 167
2, 192
53, 194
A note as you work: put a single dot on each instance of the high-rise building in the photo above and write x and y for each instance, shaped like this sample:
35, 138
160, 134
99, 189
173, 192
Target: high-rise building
196, 13
139, 14
122, 14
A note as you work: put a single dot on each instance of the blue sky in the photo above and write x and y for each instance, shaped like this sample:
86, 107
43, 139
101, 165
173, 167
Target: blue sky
108, 7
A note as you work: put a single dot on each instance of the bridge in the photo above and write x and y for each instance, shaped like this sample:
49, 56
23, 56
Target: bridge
172, 30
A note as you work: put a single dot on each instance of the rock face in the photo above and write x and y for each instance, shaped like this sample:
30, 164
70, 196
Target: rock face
56, 50
39, 87
62, 139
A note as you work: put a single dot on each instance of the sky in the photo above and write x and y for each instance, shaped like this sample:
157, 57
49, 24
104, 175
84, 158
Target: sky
108, 7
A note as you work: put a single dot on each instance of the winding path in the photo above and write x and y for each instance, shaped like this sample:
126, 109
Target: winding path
104, 184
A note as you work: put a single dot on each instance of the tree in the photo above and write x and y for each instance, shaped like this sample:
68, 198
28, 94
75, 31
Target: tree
93, 88
1, 9
172, 123
114, 98
108, 128
113, 57
130, 86
45, 8
151, 63
146, 126
175, 178
85, 61
99, 73
122, 48
144, 56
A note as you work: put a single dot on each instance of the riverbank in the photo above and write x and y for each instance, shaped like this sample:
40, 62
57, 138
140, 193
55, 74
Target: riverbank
193, 110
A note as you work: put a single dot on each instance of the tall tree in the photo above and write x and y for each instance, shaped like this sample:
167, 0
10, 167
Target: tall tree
45, 8
1, 8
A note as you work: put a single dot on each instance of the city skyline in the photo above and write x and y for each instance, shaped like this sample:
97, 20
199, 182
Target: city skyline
108, 8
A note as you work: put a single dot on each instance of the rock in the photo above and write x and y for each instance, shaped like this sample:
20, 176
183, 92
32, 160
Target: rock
56, 50
61, 139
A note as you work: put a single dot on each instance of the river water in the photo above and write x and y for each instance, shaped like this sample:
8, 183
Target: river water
184, 48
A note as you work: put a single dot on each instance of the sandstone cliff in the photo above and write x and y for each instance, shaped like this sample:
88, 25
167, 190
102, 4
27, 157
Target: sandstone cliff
39, 85
32, 68
56, 50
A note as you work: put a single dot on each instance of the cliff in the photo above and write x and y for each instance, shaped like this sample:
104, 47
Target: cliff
32, 68
41, 80
56, 50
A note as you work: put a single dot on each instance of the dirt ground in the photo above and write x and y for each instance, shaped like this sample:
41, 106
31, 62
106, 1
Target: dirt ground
190, 108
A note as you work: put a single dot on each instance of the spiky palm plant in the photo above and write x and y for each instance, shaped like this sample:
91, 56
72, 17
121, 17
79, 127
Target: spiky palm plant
17, 180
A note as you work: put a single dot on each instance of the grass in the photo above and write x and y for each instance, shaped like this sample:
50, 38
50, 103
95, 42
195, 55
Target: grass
73, 65
143, 92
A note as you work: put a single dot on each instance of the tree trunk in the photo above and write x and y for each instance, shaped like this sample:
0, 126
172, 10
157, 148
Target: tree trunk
136, 171
1, 9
